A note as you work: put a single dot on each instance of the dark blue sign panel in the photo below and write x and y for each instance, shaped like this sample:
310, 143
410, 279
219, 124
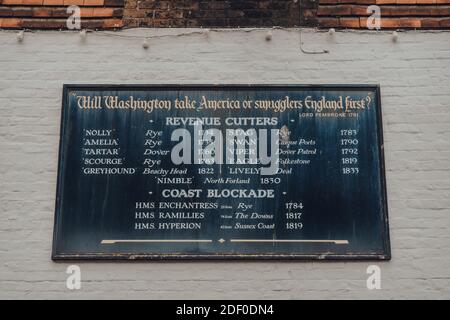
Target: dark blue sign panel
243, 172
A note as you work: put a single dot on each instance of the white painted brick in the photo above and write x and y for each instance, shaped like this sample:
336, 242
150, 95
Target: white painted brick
414, 75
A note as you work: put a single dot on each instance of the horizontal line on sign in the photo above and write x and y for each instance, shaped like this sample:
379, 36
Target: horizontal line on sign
152, 241
290, 240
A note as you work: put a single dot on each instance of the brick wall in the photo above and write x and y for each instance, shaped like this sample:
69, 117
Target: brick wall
105, 14
414, 74
52, 14
395, 14
212, 13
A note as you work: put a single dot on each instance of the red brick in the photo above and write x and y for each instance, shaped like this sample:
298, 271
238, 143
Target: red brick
328, 1
430, 22
53, 2
22, 12
73, 2
349, 22
11, 2
344, 10
390, 23
33, 2
6, 11
43, 24
117, 12
363, 22
112, 23
360, 10
114, 3
445, 23
59, 12
440, 11
103, 12
10, 23
328, 22
91, 24
93, 2
404, 11
42, 12
87, 12
368, 2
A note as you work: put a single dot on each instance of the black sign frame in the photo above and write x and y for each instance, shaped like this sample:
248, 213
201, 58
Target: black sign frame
386, 255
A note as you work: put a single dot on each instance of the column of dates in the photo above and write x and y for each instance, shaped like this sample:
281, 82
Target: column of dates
349, 143
293, 215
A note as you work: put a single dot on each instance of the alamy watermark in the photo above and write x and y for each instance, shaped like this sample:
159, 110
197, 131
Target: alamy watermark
73, 22
374, 20
242, 147
73, 281
374, 279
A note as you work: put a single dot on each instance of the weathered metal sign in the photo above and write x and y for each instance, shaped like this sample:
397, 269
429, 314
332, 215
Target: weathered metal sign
247, 172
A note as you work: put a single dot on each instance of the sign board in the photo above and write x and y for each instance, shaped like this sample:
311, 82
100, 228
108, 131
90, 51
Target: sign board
221, 172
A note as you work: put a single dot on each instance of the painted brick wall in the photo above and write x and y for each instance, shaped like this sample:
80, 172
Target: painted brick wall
414, 74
